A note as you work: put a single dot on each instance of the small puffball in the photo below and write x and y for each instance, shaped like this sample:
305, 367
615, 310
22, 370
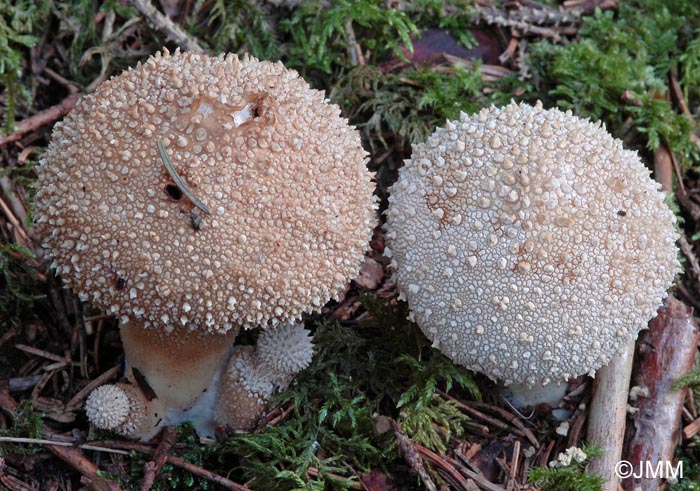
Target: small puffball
287, 349
107, 407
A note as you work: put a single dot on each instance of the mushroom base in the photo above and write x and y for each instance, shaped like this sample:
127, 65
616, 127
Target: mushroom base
524, 395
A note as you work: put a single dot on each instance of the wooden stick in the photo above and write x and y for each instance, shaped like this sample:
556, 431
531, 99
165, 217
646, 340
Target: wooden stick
608, 412
176, 461
83, 393
692, 429
163, 24
168, 437
451, 470
412, 456
72, 456
42, 118
663, 167
666, 353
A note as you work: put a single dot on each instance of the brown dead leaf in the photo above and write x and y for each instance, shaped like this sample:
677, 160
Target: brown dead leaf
376, 480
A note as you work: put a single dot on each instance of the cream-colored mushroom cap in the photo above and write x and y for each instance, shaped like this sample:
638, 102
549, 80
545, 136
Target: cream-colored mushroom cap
124, 409
529, 244
108, 407
285, 350
280, 171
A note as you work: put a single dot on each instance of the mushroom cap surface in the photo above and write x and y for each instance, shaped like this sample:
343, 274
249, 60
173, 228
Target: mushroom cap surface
285, 350
122, 408
280, 171
529, 244
108, 407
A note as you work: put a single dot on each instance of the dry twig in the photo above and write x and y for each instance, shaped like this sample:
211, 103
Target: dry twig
72, 456
47, 116
412, 456
163, 24
168, 437
665, 354
176, 461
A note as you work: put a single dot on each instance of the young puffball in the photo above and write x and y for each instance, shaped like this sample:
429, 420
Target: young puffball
254, 375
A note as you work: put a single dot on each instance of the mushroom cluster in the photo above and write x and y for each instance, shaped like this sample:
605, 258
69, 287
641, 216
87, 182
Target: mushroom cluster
529, 244
192, 196
254, 374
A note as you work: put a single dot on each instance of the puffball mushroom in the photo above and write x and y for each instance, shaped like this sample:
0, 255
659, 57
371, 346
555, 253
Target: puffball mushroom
529, 244
194, 195
122, 408
254, 375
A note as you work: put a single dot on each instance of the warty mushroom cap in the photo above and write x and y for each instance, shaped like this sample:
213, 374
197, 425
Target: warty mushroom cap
529, 244
107, 407
285, 350
124, 409
282, 174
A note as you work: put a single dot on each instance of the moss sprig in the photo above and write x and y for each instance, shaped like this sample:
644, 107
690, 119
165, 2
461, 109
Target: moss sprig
20, 25
619, 71
322, 34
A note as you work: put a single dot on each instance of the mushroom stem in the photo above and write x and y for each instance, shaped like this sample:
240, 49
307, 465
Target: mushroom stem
525, 395
608, 412
178, 366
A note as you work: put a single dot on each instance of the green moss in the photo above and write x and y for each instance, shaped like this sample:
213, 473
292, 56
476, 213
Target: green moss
92, 50
238, 26
337, 402
410, 104
426, 416
21, 23
618, 71
26, 423
321, 35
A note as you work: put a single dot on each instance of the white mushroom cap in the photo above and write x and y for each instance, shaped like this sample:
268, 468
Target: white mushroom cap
285, 350
124, 409
107, 407
282, 174
529, 244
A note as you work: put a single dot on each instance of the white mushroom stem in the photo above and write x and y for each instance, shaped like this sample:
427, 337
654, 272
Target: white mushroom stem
608, 412
525, 395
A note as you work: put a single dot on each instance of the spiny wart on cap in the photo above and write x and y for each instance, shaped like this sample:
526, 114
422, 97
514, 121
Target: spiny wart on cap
254, 375
282, 173
529, 244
